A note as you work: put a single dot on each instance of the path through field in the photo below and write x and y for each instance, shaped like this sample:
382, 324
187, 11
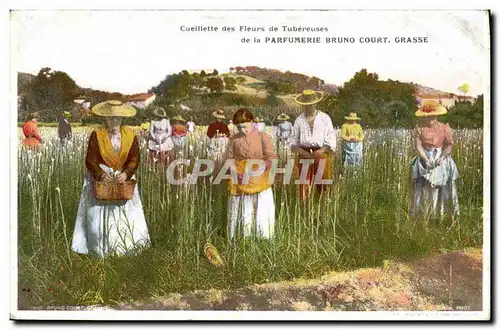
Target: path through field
448, 281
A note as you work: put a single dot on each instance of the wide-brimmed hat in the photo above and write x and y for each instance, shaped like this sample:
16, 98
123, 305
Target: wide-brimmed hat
352, 116
283, 117
178, 118
67, 114
160, 112
309, 97
114, 108
431, 108
219, 114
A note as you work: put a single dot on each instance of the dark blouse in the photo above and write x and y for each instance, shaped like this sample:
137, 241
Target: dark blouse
221, 127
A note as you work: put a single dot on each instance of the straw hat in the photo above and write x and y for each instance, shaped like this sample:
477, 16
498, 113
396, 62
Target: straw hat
178, 118
309, 97
283, 117
160, 112
431, 108
219, 114
114, 108
352, 116
67, 114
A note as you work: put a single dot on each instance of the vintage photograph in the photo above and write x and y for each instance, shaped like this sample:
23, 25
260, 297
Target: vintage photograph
316, 162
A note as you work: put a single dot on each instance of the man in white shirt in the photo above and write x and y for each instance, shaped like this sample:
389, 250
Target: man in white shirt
313, 137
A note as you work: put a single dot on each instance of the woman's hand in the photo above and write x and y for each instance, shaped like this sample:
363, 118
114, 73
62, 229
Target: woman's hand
106, 177
318, 153
121, 177
305, 154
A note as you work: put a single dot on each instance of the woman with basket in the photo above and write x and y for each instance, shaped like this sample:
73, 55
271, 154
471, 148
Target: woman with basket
110, 217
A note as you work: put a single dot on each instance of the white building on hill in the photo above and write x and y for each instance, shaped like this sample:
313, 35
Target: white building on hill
141, 100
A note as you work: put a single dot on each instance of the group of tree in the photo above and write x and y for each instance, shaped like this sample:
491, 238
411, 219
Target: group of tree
391, 103
48, 94
298, 80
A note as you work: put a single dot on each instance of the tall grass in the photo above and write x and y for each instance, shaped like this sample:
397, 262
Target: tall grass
362, 220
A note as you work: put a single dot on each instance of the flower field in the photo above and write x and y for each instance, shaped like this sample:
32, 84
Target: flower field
360, 222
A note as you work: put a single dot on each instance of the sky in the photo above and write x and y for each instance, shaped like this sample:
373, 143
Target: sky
131, 51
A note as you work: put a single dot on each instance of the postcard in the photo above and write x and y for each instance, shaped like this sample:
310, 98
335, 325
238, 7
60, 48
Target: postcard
250, 164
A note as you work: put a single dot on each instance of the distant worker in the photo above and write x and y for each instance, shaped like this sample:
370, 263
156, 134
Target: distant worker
352, 141
64, 128
32, 137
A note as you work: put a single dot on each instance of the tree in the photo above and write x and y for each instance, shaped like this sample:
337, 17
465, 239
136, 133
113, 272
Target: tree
464, 88
50, 93
215, 72
203, 74
466, 114
215, 84
379, 103
230, 83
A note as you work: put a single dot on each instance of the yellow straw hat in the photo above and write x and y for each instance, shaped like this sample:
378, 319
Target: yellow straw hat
283, 117
309, 97
179, 118
219, 114
160, 112
213, 255
431, 108
114, 108
352, 116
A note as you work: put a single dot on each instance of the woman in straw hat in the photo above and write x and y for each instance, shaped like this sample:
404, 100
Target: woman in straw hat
259, 124
32, 139
218, 128
160, 144
110, 227
179, 131
352, 140
313, 137
433, 170
218, 133
284, 128
251, 204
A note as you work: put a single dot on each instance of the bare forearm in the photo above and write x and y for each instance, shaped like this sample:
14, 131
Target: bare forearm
447, 151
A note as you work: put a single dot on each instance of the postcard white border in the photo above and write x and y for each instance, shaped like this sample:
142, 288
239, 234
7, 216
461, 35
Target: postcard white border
229, 315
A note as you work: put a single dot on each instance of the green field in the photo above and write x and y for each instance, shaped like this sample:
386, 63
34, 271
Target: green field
362, 221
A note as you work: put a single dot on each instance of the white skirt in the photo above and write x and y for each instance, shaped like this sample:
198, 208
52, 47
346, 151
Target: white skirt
105, 228
252, 213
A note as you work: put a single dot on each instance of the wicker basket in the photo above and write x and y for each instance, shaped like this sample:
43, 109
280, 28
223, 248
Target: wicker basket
113, 191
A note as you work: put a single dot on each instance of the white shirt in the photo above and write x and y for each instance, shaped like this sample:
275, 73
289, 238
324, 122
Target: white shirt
190, 126
160, 135
284, 130
116, 141
323, 133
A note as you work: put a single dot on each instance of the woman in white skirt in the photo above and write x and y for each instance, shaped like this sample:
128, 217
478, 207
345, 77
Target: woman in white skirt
434, 173
251, 204
110, 227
